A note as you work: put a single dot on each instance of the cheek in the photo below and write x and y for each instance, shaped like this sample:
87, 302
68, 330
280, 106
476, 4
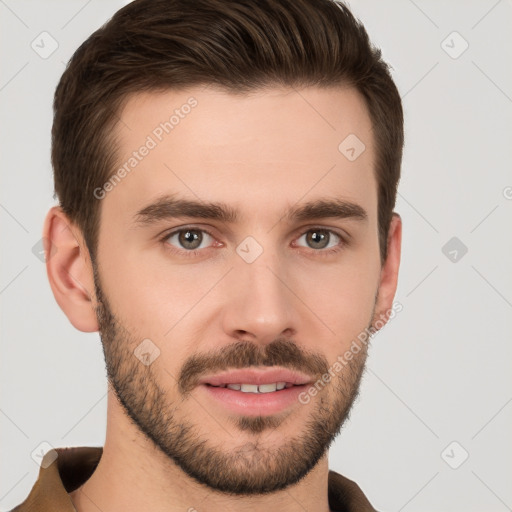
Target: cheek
342, 296
146, 290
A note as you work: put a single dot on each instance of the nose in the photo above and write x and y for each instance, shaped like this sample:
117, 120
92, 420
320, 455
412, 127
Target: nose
261, 305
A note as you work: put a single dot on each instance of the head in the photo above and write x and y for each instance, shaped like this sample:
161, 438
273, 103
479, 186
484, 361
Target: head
239, 115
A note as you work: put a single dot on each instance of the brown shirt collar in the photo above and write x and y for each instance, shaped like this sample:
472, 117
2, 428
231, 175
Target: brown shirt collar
73, 466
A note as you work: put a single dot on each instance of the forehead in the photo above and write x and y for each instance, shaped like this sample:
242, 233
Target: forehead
259, 150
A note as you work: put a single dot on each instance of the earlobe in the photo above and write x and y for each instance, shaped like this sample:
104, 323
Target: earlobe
389, 273
69, 270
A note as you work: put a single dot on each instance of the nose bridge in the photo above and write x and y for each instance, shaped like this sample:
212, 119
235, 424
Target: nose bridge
265, 278
261, 302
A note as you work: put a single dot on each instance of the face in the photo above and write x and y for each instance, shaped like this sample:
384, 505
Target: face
277, 285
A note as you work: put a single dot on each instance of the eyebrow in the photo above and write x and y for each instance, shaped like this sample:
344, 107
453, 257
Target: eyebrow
169, 207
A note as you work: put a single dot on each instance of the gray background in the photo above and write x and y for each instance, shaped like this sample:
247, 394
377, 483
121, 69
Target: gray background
438, 373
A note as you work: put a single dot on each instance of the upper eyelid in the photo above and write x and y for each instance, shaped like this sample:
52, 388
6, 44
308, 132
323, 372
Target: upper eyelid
191, 228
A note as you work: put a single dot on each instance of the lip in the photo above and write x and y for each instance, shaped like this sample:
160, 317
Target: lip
253, 376
254, 404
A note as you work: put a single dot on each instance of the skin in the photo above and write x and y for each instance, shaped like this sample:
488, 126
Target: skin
168, 445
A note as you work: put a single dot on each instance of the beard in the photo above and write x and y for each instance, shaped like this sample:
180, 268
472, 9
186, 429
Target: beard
243, 470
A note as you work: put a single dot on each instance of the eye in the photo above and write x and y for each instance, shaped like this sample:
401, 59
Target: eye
321, 239
188, 239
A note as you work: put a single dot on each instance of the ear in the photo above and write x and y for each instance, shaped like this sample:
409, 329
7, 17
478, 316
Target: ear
69, 270
389, 274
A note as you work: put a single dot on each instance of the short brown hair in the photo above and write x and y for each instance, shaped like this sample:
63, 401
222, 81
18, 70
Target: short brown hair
237, 45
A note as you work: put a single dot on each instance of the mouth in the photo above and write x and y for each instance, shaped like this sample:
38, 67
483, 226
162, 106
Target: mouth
255, 391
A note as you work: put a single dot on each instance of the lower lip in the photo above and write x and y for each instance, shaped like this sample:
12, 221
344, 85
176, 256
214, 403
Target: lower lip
253, 404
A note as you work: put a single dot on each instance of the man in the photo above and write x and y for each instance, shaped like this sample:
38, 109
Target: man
226, 172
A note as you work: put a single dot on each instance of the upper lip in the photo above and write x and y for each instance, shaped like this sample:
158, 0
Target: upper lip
253, 376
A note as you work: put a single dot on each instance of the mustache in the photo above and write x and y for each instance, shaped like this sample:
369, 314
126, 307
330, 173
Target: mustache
244, 354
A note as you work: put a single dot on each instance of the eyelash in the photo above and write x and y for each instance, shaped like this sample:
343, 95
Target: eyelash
195, 252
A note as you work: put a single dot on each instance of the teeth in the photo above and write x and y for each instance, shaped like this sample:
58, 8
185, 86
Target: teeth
249, 388
267, 388
254, 388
